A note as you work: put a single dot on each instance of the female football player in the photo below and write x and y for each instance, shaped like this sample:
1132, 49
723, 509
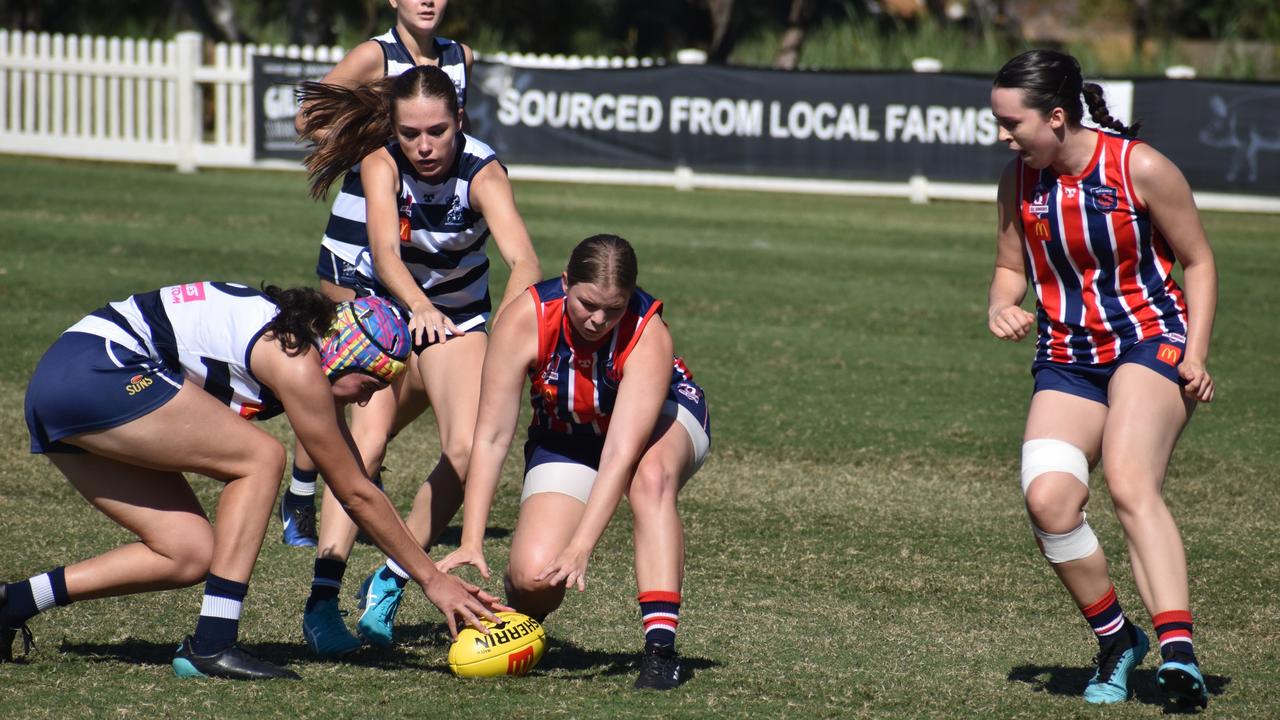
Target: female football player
409, 43
1095, 220
614, 412
410, 226
111, 406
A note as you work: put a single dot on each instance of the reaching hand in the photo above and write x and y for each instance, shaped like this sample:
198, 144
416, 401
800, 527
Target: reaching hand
458, 598
568, 569
465, 556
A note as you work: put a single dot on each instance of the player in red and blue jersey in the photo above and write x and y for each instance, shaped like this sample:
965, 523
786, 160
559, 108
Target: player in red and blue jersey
1094, 221
166, 382
614, 412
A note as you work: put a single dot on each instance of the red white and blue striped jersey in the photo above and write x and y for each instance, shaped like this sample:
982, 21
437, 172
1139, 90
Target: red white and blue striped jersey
574, 386
1100, 268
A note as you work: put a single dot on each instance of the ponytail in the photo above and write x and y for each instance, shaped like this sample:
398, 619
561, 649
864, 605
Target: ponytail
346, 124
1101, 116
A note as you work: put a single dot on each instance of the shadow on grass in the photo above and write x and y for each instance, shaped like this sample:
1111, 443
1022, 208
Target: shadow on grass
1070, 681
562, 659
451, 536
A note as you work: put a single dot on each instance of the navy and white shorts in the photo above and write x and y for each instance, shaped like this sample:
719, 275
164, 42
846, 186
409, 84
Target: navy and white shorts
86, 383
334, 269
566, 464
1162, 354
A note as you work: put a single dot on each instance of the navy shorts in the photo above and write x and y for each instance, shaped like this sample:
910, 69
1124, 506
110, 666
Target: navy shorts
334, 269
686, 403
85, 383
1161, 354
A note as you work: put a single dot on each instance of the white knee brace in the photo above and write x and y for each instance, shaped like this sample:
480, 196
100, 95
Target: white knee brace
1045, 455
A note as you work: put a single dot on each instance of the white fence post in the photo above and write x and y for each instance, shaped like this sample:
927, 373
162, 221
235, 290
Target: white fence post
190, 110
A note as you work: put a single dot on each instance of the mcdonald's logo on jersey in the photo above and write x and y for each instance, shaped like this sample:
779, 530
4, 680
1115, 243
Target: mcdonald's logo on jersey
1169, 354
1042, 230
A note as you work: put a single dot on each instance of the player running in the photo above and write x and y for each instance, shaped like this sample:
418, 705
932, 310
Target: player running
1095, 220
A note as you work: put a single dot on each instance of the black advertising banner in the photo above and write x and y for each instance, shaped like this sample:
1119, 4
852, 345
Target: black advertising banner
1223, 136
275, 81
854, 126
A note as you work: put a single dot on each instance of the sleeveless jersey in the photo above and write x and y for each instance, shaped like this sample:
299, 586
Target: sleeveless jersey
442, 239
1100, 268
574, 387
396, 58
203, 330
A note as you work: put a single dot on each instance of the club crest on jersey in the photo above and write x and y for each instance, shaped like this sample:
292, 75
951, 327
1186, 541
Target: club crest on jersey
454, 216
1103, 199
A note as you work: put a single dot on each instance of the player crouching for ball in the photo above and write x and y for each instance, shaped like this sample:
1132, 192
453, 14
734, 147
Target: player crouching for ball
165, 382
614, 411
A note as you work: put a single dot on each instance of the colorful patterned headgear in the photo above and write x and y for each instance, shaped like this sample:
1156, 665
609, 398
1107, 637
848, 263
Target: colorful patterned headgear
369, 335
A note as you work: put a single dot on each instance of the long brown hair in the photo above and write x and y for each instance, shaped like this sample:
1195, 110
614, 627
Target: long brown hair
356, 121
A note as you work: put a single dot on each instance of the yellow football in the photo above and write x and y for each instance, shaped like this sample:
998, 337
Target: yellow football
512, 647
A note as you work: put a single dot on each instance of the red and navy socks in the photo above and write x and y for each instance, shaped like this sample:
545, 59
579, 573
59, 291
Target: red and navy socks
660, 611
1108, 620
1174, 628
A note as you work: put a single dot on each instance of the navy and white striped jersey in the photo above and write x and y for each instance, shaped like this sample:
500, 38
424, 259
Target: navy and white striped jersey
396, 59
204, 330
442, 239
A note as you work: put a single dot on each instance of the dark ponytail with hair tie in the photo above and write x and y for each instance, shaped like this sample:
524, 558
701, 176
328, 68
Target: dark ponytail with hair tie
1100, 115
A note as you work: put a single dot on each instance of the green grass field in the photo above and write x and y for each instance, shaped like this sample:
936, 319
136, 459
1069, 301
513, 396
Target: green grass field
856, 542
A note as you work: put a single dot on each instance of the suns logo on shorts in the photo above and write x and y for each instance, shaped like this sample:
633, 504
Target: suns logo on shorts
137, 384
250, 410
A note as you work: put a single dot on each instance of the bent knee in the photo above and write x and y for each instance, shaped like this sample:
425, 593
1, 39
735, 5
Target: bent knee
188, 553
1055, 503
653, 486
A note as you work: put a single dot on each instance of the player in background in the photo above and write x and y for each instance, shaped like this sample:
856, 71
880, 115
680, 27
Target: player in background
1094, 220
411, 42
166, 382
411, 226
614, 412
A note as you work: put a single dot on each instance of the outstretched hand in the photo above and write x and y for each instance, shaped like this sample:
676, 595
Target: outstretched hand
568, 569
465, 556
458, 598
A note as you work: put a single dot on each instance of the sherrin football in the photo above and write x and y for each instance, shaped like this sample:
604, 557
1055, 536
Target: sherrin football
512, 647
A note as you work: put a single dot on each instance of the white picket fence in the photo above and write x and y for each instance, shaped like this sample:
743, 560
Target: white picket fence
132, 100
171, 102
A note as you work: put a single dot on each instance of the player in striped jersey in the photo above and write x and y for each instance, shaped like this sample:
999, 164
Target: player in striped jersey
614, 412
411, 42
165, 382
1094, 220
412, 226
